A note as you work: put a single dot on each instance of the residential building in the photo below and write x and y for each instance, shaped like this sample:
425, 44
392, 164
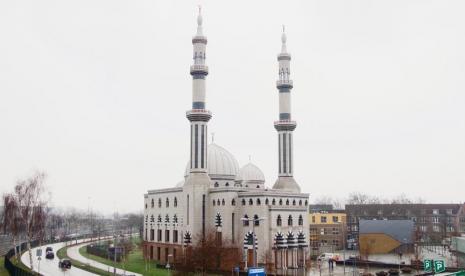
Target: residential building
327, 230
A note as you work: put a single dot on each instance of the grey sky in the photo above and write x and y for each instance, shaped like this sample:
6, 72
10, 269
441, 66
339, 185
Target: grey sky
95, 93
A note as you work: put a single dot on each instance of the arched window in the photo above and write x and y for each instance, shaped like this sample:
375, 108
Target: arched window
223, 202
300, 202
280, 201
301, 220
153, 203
159, 219
287, 201
293, 202
267, 201
214, 202
289, 220
216, 184
145, 205
227, 184
159, 203
167, 202
247, 186
306, 202
243, 201
279, 221
218, 202
233, 202
246, 220
258, 186
273, 202
256, 221
175, 202
250, 201
167, 219
258, 201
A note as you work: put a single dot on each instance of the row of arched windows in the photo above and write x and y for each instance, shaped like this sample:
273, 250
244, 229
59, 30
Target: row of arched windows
290, 221
167, 203
273, 202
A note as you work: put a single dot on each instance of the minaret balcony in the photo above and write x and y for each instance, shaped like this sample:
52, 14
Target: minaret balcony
199, 69
285, 125
284, 84
202, 115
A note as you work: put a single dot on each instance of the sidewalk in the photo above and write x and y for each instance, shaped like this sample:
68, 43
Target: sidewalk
73, 253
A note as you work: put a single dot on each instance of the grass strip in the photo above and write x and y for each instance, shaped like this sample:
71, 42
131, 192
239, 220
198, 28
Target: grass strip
134, 263
62, 254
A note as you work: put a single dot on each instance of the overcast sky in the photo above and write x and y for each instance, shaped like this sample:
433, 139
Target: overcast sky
95, 92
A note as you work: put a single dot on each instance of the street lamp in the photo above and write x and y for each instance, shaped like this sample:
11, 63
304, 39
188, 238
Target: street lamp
253, 220
343, 244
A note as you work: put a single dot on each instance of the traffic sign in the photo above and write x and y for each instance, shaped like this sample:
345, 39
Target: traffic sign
428, 265
256, 271
39, 252
439, 266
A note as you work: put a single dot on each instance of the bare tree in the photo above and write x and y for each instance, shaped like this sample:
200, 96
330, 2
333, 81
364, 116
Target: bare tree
11, 221
360, 198
29, 197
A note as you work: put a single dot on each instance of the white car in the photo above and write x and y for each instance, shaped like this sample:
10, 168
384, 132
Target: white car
328, 256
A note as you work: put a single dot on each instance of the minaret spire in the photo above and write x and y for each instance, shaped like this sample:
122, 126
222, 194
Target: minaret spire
285, 126
199, 115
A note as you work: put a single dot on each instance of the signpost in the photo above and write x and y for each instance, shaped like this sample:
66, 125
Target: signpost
256, 271
439, 266
428, 265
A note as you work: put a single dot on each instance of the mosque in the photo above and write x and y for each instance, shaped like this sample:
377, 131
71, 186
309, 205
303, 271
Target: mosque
217, 194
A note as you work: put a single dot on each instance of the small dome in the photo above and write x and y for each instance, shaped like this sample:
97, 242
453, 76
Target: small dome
220, 163
251, 173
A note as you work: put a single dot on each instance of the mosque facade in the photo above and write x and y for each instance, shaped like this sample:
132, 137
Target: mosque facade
217, 194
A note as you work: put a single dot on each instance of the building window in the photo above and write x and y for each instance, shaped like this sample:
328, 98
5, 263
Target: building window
301, 220
167, 219
246, 220
250, 202
214, 202
167, 235
223, 202
293, 202
175, 202
256, 221
273, 202
313, 219
279, 221
335, 219
216, 184
152, 234
218, 202
435, 219
436, 228
323, 219
227, 184
175, 218
258, 186
159, 203
280, 201
435, 211
243, 202
287, 202
289, 220
335, 231
233, 202
159, 235
300, 202
306, 202
258, 201
153, 203
159, 219
267, 201
449, 211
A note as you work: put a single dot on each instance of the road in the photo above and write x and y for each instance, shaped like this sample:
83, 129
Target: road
50, 267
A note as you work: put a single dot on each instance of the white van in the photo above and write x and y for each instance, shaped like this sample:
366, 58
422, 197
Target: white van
327, 256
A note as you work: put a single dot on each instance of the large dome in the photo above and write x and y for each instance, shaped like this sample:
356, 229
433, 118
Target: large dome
221, 163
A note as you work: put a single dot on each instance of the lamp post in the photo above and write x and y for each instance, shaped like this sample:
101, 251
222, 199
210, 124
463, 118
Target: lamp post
253, 220
343, 244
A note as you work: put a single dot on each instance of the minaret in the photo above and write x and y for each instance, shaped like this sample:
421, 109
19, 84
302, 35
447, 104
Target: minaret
198, 182
285, 126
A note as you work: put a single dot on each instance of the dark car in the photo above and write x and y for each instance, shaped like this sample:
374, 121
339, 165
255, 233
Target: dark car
49, 255
49, 248
64, 263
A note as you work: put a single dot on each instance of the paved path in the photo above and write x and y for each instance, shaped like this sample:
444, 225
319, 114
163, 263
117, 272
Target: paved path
73, 253
50, 267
